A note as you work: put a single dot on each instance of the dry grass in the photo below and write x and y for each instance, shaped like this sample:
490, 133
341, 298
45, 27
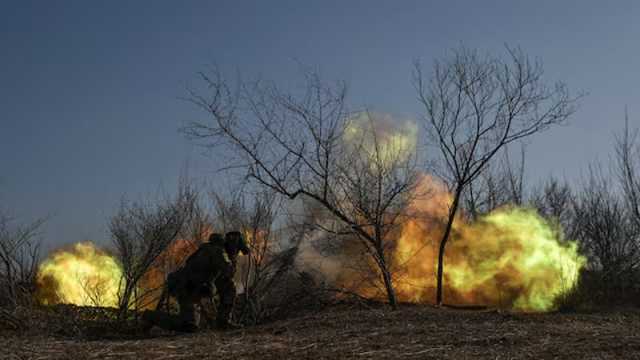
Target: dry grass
356, 332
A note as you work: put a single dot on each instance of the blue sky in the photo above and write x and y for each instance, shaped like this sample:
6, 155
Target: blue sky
90, 108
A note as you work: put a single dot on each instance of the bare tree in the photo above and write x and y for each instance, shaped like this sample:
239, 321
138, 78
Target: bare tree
198, 226
19, 258
378, 182
271, 257
195, 231
628, 168
259, 270
94, 289
141, 232
474, 106
499, 184
296, 145
606, 231
555, 201
230, 211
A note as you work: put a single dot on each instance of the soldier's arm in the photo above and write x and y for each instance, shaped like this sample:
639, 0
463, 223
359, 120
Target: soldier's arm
222, 265
226, 266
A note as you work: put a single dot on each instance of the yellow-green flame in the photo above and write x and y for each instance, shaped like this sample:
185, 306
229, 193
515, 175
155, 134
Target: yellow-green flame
82, 275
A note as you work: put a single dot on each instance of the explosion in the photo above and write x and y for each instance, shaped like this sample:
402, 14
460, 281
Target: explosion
86, 275
510, 258
82, 275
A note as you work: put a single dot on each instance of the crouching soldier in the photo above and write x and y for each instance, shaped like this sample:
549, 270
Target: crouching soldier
233, 244
213, 262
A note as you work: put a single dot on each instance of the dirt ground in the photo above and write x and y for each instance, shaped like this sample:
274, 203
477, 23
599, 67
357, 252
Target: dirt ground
350, 332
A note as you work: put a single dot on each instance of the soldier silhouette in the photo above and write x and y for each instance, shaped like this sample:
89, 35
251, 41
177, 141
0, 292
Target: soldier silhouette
213, 263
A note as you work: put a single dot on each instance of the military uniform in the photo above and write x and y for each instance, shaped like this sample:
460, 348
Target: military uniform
213, 262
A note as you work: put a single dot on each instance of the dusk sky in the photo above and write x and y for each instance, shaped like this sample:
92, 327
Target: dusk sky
90, 108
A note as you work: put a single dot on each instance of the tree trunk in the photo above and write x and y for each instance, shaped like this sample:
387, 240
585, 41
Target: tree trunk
388, 283
443, 243
125, 300
391, 292
384, 269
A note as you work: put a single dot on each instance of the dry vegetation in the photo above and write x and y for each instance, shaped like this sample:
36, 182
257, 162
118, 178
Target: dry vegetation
289, 314
354, 330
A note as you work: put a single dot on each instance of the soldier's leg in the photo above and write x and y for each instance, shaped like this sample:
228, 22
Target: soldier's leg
206, 306
207, 312
159, 318
227, 292
187, 313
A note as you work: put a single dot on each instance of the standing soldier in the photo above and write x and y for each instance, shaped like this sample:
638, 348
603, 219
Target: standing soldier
213, 262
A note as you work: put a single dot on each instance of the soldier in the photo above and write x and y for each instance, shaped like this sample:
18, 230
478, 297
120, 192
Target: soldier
214, 261
233, 243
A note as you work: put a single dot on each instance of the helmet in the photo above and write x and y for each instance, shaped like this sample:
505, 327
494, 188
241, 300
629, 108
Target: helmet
234, 242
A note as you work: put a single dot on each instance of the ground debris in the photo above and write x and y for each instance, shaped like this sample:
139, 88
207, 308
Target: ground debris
413, 332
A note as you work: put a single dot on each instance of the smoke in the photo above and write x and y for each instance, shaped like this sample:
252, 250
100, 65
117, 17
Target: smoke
312, 259
510, 258
381, 135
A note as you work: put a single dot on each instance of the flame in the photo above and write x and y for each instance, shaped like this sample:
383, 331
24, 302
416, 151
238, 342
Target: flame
86, 275
510, 258
83, 275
